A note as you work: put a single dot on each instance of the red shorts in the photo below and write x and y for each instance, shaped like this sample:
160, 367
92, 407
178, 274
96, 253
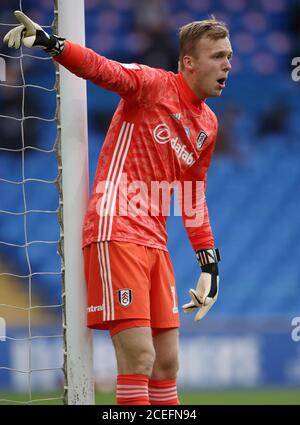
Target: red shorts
129, 285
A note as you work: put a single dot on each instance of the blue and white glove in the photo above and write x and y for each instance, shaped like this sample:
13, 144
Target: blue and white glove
31, 34
207, 289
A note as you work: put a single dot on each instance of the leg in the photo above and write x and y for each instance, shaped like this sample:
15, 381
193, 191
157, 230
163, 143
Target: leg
135, 358
134, 351
162, 385
166, 363
117, 277
165, 323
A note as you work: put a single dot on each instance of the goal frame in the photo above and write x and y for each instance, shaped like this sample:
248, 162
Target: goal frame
72, 131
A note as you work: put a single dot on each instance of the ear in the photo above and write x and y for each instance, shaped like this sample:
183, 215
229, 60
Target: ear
188, 63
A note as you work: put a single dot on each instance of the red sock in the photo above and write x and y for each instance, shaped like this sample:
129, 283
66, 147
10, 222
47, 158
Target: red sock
132, 389
163, 391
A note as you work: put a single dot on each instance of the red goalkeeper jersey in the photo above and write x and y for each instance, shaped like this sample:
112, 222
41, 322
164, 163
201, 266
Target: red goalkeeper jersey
160, 137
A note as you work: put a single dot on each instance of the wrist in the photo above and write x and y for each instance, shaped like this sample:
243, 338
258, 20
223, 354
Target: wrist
211, 268
208, 260
55, 45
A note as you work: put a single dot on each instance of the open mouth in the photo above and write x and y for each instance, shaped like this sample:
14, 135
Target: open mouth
221, 82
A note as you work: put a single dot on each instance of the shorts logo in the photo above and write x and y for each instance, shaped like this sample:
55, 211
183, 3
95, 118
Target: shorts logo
125, 296
95, 308
201, 139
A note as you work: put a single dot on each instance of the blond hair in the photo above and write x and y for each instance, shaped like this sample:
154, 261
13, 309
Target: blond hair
190, 34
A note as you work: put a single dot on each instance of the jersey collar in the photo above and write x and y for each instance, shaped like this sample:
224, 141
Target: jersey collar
188, 93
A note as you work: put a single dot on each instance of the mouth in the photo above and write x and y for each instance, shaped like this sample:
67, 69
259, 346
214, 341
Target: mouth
221, 82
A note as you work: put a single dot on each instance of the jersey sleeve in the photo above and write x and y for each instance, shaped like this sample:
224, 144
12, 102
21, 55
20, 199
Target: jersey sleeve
127, 80
193, 203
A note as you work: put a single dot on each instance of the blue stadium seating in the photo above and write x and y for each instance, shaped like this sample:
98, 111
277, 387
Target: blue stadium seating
253, 199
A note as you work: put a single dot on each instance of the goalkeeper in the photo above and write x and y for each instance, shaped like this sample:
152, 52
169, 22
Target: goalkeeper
162, 131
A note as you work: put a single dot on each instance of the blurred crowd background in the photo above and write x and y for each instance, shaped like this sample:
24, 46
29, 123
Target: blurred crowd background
253, 184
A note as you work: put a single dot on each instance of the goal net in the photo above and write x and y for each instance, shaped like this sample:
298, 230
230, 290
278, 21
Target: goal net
44, 342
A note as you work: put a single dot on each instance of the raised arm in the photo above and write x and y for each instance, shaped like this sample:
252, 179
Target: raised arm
125, 79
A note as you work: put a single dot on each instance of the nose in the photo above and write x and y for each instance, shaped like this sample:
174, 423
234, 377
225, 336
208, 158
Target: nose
227, 65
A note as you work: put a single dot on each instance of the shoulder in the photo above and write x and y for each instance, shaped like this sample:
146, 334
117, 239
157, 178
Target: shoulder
156, 72
154, 83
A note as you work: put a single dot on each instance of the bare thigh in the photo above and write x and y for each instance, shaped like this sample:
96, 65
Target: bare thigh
134, 351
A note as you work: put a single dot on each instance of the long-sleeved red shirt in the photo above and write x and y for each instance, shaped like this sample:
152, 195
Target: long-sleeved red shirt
160, 135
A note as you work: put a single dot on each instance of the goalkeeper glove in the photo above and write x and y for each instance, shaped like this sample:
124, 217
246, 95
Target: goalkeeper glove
31, 34
206, 292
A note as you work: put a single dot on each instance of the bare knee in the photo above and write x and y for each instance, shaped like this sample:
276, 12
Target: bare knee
167, 355
143, 361
166, 368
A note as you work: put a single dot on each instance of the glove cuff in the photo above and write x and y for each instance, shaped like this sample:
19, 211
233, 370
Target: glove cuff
208, 256
55, 45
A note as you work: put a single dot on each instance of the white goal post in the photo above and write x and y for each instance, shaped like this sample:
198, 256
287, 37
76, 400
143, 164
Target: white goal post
74, 154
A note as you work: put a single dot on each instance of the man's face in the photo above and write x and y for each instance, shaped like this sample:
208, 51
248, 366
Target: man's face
209, 67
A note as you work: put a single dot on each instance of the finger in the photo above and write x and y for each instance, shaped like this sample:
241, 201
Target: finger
11, 42
29, 41
18, 36
189, 310
27, 22
189, 307
204, 310
196, 299
6, 37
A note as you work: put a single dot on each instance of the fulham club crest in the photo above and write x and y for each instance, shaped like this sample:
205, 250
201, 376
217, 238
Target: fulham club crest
201, 139
125, 297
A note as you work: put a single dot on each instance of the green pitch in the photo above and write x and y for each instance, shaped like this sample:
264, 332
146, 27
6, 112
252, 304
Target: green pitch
230, 397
